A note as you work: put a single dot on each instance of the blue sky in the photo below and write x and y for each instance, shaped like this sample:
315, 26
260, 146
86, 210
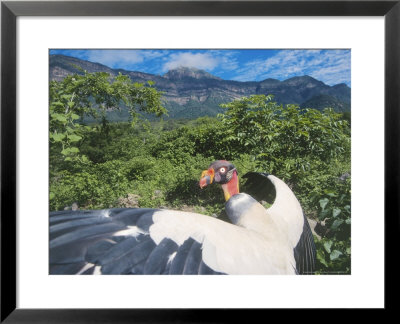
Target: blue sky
330, 66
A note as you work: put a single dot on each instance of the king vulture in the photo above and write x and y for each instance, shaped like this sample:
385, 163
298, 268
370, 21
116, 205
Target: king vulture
276, 240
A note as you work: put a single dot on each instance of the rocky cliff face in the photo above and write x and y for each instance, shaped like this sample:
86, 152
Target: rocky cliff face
184, 73
60, 66
190, 92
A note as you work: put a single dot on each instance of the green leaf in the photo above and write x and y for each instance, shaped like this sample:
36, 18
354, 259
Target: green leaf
335, 255
306, 134
330, 193
336, 224
327, 246
69, 150
59, 117
323, 203
336, 212
74, 116
321, 258
66, 97
74, 138
323, 214
57, 137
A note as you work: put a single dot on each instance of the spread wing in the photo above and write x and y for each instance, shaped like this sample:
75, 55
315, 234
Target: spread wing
152, 241
263, 186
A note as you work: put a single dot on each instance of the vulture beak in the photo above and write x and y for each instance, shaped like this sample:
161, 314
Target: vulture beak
207, 177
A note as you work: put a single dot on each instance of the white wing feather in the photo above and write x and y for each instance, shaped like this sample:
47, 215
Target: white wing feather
226, 248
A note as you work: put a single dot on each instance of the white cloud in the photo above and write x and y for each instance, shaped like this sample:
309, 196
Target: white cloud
204, 61
122, 58
329, 66
227, 60
213, 60
115, 57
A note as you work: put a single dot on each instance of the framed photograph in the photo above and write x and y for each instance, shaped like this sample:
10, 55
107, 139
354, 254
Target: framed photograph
350, 54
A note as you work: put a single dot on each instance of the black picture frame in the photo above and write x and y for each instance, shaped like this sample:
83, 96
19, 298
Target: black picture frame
10, 10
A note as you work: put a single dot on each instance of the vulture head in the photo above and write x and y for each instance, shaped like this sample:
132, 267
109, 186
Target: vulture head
224, 173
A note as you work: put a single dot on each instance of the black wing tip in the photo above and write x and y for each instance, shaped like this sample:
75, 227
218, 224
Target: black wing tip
305, 251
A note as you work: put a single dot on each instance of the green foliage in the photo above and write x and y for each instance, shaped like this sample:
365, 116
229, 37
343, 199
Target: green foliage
158, 164
334, 249
93, 94
260, 126
94, 186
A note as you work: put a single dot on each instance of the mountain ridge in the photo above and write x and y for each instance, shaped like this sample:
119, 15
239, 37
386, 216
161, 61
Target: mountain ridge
190, 92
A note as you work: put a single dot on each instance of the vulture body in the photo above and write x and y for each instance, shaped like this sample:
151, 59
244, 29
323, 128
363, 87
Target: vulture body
276, 240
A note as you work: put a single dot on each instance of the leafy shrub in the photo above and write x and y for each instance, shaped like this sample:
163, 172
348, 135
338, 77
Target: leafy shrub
82, 188
260, 126
334, 248
93, 94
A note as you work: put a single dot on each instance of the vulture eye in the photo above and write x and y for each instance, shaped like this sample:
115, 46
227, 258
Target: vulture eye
222, 170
